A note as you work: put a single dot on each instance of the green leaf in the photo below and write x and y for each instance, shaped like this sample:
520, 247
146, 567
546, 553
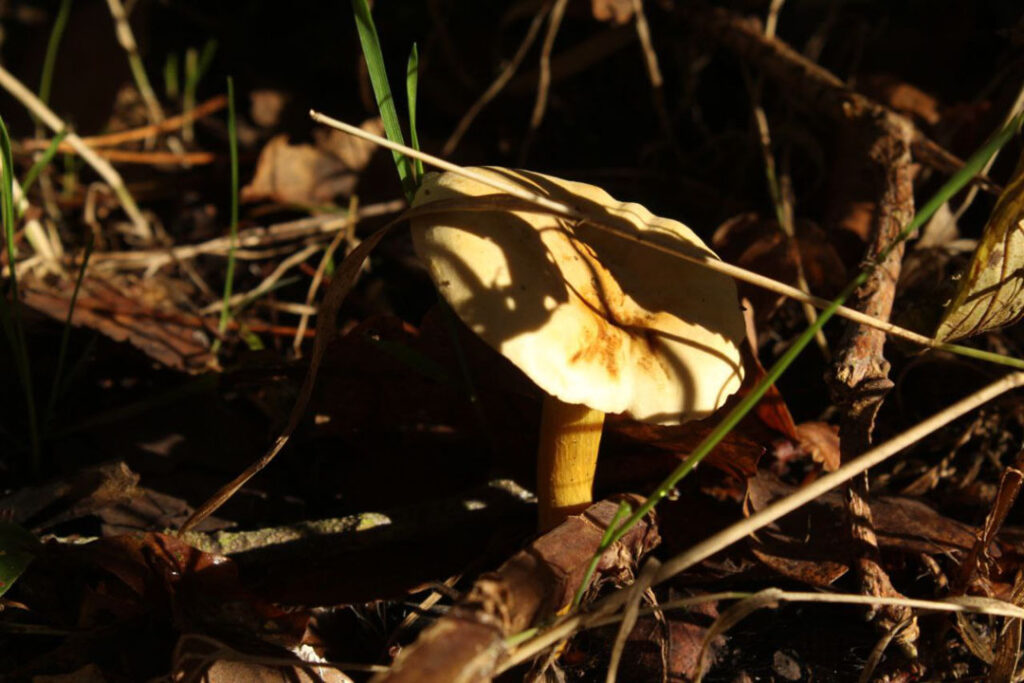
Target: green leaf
412, 74
382, 91
17, 550
991, 293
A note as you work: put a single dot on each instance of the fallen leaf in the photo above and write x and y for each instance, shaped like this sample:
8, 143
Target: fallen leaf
821, 441
297, 174
989, 295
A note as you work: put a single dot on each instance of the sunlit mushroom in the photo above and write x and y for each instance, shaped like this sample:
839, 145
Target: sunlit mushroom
601, 324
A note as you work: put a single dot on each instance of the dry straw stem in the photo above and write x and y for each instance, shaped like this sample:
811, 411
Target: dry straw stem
127, 40
759, 520
101, 166
540, 105
304, 228
210, 106
497, 85
971, 604
712, 264
265, 286
349, 235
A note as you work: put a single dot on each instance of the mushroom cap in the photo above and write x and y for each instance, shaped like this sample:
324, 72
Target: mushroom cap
590, 317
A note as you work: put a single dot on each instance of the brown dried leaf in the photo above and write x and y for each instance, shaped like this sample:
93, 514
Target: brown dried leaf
990, 295
354, 152
821, 441
126, 309
297, 174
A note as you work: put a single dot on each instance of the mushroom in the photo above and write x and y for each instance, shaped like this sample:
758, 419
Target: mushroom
600, 323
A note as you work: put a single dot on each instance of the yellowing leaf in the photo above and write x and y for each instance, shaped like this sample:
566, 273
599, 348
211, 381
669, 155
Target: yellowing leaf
990, 294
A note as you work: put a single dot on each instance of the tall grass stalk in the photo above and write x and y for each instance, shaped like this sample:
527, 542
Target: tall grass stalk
229, 277
11, 313
65, 336
382, 91
412, 75
60, 23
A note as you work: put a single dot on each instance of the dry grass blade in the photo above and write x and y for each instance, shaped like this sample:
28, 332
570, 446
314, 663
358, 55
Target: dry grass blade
497, 85
636, 594
344, 280
540, 105
101, 166
882, 645
768, 598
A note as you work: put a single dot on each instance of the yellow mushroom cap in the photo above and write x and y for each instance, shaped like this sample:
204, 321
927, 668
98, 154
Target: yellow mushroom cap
590, 317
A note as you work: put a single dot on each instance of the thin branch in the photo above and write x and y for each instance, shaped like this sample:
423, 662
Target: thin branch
210, 106
540, 105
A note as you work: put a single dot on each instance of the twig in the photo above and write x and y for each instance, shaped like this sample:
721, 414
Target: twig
252, 237
534, 201
210, 106
810, 85
540, 105
101, 166
643, 34
268, 282
153, 158
497, 85
737, 532
127, 39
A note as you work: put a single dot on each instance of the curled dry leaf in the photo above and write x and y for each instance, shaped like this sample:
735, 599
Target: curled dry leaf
821, 441
989, 295
308, 174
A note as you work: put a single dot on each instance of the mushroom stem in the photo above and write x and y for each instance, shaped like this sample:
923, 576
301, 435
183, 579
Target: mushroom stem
570, 435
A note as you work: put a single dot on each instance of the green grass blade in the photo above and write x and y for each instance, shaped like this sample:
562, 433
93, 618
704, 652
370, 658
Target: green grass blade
66, 332
172, 87
382, 91
973, 165
412, 76
15, 328
52, 46
229, 277
43, 161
